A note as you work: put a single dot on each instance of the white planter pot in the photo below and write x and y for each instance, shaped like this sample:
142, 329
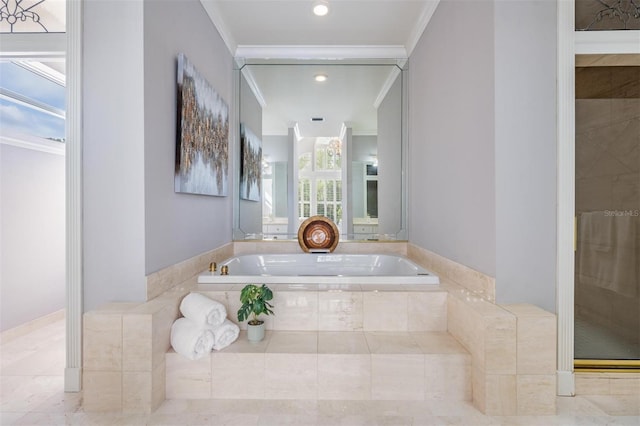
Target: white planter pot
255, 333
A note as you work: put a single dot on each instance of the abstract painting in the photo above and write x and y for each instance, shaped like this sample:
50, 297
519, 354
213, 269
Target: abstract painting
251, 167
202, 148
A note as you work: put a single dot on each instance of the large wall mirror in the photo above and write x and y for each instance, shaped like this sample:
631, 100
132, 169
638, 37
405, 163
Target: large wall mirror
321, 138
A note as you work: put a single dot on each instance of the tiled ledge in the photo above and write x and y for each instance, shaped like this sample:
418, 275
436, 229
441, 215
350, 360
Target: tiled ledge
186, 272
477, 283
327, 365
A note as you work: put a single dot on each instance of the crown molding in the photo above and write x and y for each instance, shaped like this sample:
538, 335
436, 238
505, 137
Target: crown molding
391, 78
331, 52
421, 25
251, 81
216, 17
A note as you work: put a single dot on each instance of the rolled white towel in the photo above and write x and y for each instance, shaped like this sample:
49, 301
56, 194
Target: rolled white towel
202, 310
225, 334
190, 339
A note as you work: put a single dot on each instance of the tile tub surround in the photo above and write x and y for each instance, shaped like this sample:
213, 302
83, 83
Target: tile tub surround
131, 379
327, 365
33, 393
513, 350
185, 273
347, 308
479, 284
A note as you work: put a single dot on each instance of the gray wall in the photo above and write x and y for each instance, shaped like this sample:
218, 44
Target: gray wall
179, 225
32, 234
451, 136
525, 117
483, 148
134, 223
113, 153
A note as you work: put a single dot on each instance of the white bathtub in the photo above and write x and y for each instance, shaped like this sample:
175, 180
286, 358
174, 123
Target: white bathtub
316, 268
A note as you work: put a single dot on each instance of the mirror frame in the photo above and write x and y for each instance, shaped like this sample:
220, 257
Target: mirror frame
403, 66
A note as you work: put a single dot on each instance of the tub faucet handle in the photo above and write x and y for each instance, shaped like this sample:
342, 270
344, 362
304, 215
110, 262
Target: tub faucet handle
213, 266
224, 270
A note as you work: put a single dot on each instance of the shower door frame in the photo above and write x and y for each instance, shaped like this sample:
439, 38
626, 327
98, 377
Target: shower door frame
571, 43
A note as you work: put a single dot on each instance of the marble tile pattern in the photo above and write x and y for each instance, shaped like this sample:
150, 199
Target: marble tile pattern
336, 365
32, 393
369, 308
476, 282
328, 343
186, 272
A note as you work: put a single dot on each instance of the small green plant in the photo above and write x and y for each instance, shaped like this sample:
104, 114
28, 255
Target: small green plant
255, 301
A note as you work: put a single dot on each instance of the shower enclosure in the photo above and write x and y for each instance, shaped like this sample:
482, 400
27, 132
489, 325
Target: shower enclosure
607, 269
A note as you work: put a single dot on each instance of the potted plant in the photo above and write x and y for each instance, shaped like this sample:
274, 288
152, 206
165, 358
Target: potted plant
255, 301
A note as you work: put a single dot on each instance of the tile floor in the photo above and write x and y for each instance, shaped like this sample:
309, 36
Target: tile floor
31, 393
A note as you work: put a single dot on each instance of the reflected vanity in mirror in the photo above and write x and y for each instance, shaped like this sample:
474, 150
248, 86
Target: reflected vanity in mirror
334, 144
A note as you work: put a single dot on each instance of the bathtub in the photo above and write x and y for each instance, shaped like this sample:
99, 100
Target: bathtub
320, 268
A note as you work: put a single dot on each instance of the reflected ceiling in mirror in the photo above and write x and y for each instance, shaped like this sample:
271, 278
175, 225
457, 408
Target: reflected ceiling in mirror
324, 126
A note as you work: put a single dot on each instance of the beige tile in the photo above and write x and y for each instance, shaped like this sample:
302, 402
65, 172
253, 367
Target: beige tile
590, 385
500, 345
385, 311
340, 311
537, 348
466, 326
243, 345
427, 311
438, 342
382, 342
295, 310
161, 334
137, 342
293, 342
233, 372
625, 386
536, 395
447, 377
500, 395
158, 385
344, 377
291, 376
187, 379
102, 341
136, 392
337, 342
536, 344
102, 391
397, 377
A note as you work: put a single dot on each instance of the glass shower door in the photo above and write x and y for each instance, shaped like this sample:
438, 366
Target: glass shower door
607, 270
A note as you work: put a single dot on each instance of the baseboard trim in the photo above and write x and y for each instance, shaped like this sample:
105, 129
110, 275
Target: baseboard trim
566, 383
22, 329
72, 379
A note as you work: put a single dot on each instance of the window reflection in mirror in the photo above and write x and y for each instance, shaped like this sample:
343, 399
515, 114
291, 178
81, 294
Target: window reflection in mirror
335, 148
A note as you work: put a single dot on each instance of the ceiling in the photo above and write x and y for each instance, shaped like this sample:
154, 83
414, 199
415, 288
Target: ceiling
383, 23
288, 29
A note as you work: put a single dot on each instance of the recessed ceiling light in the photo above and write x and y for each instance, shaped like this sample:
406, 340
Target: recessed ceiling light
320, 7
320, 77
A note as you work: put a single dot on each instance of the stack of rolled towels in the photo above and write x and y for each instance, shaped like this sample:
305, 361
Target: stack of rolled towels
203, 328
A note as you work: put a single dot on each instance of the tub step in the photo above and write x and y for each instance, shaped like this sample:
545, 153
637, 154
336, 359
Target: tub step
318, 365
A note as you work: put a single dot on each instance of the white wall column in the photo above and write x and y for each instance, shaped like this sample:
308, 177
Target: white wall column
73, 366
566, 195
